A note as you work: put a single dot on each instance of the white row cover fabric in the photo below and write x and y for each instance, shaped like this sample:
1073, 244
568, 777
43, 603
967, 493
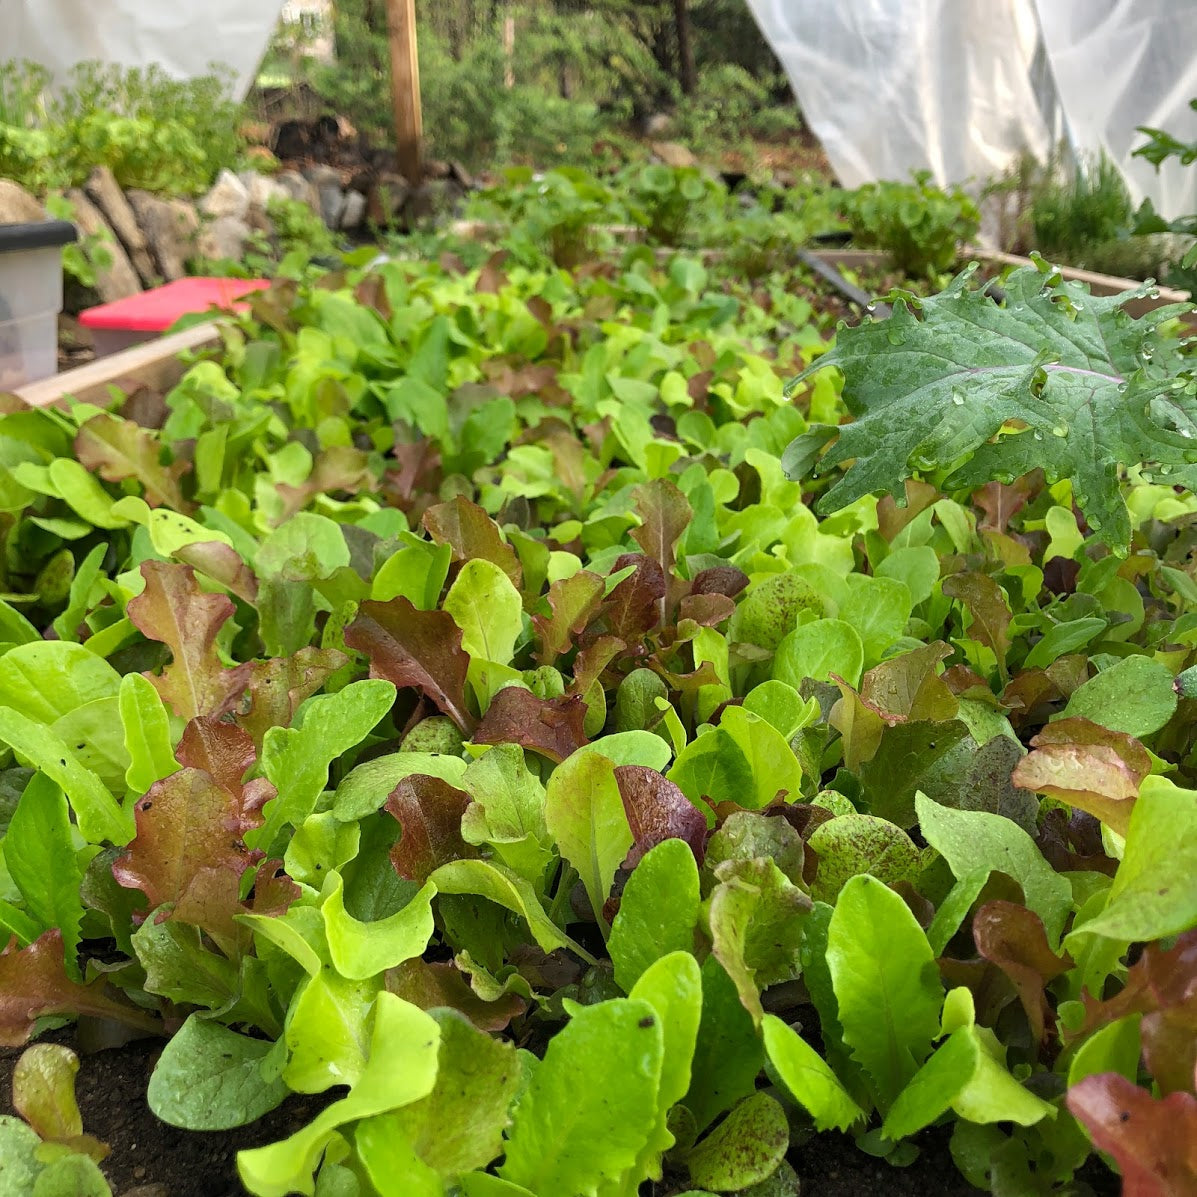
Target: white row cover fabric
962, 87
1119, 64
183, 37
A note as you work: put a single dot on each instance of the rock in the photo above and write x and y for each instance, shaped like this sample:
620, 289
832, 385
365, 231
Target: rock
17, 206
673, 154
458, 171
228, 197
387, 199
330, 187
658, 124
320, 175
332, 204
171, 229
118, 280
263, 189
299, 189
224, 238
353, 212
105, 192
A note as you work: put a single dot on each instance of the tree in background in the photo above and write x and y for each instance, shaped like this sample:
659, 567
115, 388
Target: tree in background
578, 68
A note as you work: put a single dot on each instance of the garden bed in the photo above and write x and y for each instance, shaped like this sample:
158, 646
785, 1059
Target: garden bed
476, 692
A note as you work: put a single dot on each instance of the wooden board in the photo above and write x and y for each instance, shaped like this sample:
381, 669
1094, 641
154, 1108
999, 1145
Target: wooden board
1098, 284
155, 364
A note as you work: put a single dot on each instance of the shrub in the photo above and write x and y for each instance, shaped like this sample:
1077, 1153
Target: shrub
918, 224
162, 134
730, 105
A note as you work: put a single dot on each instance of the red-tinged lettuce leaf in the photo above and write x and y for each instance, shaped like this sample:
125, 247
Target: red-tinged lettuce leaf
471, 533
634, 606
665, 515
492, 278
417, 477
429, 811
719, 579
908, 687
707, 610
592, 660
1070, 841
186, 824
212, 902
1001, 502
34, 984
339, 468
273, 890
1162, 987
277, 688
420, 649
118, 449
990, 611
1030, 697
549, 726
891, 518
687, 683
173, 610
222, 750
657, 811
433, 986
572, 603
860, 727
1154, 1142
222, 563
1090, 767
1013, 938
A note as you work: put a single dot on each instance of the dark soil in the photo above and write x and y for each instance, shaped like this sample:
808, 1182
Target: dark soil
151, 1159
111, 1088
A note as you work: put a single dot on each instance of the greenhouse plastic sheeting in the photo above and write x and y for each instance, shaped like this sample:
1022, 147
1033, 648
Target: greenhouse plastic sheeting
962, 87
1123, 63
183, 37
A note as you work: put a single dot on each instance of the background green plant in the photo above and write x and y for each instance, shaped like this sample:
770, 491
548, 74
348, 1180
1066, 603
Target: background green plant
920, 226
1074, 211
152, 131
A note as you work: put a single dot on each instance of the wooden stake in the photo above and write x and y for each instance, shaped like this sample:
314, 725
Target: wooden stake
405, 86
509, 52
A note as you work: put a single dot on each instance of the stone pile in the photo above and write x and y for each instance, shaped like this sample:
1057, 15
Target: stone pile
152, 239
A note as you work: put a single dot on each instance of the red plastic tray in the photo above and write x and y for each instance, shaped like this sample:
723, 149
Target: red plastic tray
157, 310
